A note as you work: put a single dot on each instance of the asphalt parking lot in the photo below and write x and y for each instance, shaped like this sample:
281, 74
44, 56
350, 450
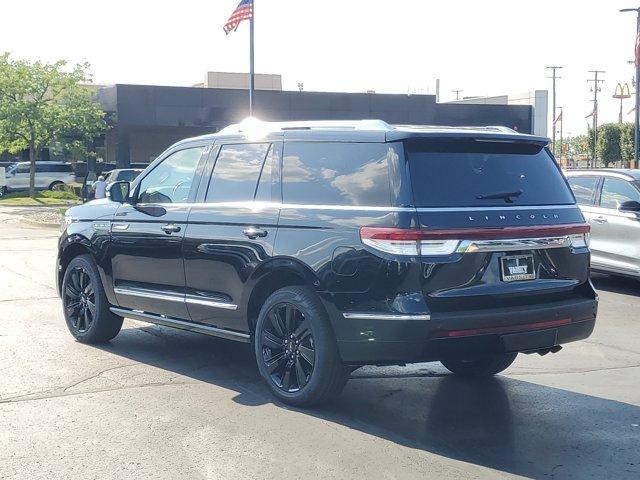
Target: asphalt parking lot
158, 403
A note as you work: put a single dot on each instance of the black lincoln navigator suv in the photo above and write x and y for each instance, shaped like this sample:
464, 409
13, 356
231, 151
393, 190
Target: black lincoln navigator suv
333, 245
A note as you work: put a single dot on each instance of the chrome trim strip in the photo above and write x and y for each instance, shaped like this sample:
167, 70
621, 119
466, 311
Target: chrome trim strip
210, 303
119, 226
506, 209
182, 324
366, 208
257, 206
149, 294
507, 245
134, 292
384, 316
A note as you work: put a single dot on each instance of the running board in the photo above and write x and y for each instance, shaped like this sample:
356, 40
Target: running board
182, 324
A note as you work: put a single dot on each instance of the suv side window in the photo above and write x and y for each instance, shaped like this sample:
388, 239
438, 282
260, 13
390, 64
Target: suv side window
22, 169
583, 188
616, 191
236, 172
325, 173
170, 181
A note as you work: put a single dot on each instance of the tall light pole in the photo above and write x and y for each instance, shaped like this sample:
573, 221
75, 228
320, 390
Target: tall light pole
554, 77
636, 149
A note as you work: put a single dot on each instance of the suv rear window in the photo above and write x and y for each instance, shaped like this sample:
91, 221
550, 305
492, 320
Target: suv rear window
471, 173
326, 173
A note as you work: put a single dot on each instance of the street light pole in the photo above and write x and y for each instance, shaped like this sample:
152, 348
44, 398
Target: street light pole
554, 77
636, 150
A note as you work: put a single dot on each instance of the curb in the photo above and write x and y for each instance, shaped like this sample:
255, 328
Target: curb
40, 224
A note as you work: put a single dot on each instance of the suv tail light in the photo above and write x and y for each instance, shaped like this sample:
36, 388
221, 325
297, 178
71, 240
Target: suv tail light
415, 242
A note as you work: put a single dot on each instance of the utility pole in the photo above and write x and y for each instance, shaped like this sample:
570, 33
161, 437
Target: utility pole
457, 92
636, 149
554, 77
595, 89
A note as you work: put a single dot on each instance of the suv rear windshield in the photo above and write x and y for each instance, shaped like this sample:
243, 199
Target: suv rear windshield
472, 173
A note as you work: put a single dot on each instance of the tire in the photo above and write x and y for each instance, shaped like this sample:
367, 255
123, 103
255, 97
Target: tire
298, 310
82, 288
56, 186
482, 367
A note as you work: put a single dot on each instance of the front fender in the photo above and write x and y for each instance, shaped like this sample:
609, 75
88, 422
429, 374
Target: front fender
91, 238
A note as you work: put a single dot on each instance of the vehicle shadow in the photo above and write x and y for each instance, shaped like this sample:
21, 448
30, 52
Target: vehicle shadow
502, 423
616, 284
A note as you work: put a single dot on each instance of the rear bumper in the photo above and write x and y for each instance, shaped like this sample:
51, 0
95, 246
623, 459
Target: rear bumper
465, 335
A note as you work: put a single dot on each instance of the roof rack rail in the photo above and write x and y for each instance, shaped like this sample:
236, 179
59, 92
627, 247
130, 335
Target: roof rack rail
253, 124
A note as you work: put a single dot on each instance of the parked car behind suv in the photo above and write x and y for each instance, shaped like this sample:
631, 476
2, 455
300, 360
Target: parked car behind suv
110, 176
333, 245
610, 201
50, 175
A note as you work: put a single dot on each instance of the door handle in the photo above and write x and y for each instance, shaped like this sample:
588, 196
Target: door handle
600, 219
253, 233
120, 226
171, 228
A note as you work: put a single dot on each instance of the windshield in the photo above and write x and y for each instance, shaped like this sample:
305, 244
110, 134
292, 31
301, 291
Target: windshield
471, 173
126, 175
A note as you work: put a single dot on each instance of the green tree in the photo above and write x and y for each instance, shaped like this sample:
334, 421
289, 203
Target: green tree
626, 142
608, 145
41, 103
578, 145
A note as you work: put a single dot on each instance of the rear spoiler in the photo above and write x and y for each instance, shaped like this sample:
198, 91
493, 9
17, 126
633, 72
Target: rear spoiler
489, 136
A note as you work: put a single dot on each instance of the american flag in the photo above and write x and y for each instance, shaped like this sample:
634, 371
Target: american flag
244, 11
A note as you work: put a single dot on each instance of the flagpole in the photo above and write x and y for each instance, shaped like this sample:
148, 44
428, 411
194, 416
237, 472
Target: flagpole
636, 149
251, 70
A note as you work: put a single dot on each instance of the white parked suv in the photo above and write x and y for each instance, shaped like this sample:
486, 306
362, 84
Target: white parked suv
50, 175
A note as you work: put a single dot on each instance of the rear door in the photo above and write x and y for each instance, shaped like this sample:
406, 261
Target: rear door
584, 188
615, 235
146, 236
231, 231
496, 217
44, 175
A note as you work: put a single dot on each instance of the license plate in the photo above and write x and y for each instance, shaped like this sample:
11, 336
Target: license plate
517, 267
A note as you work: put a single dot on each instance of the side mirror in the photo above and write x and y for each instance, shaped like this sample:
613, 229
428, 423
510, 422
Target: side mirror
629, 206
118, 191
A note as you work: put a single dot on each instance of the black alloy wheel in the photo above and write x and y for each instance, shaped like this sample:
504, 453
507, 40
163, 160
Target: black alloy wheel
80, 299
288, 348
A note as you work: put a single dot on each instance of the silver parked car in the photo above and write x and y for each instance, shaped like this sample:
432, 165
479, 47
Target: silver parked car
610, 202
50, 175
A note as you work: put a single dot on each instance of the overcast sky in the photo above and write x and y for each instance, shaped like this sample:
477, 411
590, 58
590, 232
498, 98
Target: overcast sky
487, 47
